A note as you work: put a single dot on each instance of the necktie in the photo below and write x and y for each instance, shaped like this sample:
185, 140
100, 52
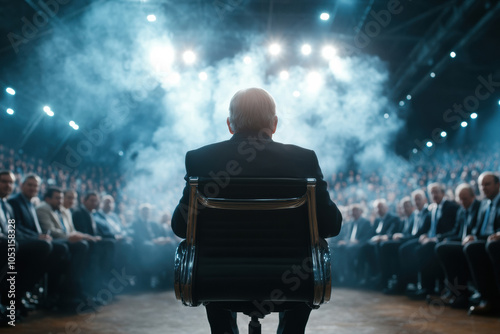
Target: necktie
3, 225
486, 229
432, 231
379, 227
415, 223
35, 218
354, 231
466, 224
61, 220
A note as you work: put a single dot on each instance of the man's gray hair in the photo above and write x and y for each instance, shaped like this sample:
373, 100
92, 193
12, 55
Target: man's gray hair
252, 109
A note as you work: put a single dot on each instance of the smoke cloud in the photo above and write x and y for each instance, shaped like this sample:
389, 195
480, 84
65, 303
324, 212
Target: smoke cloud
114, 64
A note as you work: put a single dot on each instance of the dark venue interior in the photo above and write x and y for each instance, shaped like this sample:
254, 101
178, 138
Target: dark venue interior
101, 100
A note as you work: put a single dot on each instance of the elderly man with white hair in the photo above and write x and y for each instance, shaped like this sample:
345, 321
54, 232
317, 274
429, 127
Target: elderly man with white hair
251, 152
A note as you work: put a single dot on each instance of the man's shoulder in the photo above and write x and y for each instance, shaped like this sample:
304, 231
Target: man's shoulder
43, 206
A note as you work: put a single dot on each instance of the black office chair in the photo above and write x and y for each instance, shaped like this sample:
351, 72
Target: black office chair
252, 246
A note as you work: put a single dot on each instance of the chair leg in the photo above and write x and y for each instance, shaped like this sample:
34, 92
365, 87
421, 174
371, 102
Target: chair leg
254, 326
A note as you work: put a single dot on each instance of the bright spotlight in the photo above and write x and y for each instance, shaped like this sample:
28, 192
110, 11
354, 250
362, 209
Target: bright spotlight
274, 49
499, 102
189, 57
408, 97
314, 80
203, 76
50, 113
453, 54
306, 49
324, 16
386, 115
401, 103
74, 125
296, 93
11, 91
473, 115
10, 111
151, 18
328, 52
433, 75
464, 124
443, 134
247, 60
162, 57
429, 144
46, 109
284, 75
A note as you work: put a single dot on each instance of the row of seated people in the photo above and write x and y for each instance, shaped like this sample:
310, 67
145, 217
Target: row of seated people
86, 254
442, 252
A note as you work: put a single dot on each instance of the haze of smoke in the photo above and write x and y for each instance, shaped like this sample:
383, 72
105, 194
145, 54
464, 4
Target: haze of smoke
342, 119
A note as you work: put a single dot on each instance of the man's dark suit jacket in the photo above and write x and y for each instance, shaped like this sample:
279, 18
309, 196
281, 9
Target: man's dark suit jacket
254, 155
25, 222
84, 222
390, 225
447, 220
480, 219
460, 224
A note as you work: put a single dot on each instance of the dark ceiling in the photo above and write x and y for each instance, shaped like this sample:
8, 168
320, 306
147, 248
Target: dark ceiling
415, 40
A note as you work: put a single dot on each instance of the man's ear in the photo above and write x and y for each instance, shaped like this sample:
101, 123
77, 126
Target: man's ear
275, 124
229, 126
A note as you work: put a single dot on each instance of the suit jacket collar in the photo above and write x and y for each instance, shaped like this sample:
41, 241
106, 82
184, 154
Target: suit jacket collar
252, 135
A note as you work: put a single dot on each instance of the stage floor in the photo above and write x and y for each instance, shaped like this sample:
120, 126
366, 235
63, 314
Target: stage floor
349, 311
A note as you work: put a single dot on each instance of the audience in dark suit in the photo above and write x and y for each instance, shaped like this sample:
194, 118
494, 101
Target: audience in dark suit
31, 256
450, 251
477, 245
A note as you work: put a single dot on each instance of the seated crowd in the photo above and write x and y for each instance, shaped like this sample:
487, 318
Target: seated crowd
76, 249
447, 251
75, 255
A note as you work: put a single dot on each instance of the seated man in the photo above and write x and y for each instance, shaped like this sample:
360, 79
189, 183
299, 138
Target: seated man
251, 152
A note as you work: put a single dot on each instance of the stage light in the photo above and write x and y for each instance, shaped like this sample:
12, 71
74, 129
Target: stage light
284, 75
306, 49
429, 144
189, 57
120, 153
453, 54
314, 80
401, 103
73, 125
151, 18
328, 52
46, 109
324, 16
464, 124
10, 111
50, 113
415, 151
386, 115
203, 76
274, 49
162, 57
296, 93
10, 90
247, 60
499, 102
473, 115
408, 97
443, 134
433, 75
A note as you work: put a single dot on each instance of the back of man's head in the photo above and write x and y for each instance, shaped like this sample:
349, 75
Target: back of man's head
252, 110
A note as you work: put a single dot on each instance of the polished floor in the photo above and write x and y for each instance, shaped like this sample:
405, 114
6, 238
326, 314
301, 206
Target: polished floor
349, 312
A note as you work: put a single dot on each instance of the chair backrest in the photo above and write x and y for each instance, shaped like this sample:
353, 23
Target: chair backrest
252, 239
